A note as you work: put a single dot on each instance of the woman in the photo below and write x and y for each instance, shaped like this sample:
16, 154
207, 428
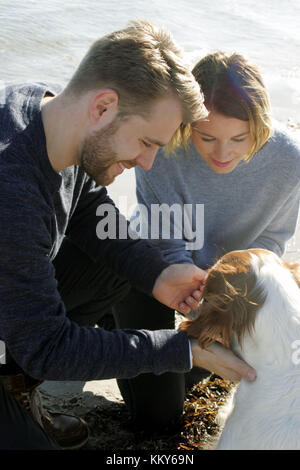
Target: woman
245, 172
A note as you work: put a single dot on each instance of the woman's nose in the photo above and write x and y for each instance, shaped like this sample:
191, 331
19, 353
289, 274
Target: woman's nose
221, 153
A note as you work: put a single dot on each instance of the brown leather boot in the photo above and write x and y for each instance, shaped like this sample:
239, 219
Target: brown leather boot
69, 432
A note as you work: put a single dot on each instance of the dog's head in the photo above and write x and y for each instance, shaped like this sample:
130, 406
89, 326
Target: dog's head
235, 291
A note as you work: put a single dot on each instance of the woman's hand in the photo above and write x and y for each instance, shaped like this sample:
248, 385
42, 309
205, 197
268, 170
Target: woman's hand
180, 286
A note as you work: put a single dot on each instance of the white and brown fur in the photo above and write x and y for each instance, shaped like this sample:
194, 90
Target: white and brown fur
252, 301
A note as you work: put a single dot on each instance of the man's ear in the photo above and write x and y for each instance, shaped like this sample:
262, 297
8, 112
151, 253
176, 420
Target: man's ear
103, 106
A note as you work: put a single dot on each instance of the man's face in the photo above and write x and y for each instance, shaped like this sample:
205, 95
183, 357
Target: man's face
124, 143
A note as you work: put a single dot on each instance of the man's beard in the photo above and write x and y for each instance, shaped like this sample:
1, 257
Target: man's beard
97, 154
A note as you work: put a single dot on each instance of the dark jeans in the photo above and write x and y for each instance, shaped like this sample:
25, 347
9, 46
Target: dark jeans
88, 291
154, 401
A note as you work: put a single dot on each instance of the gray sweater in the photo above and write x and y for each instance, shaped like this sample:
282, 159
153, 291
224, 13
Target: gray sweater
256, 205
38, 207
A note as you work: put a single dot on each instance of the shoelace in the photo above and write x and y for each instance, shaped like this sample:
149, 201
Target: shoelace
31, 401
24, 399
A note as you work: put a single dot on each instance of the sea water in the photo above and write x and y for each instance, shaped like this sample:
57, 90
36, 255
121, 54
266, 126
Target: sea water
46, 39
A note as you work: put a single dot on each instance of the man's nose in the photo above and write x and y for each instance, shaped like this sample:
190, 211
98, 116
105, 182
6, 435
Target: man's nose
146, 160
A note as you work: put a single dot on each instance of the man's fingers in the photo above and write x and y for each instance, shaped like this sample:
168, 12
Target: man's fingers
235, 376
232, 375
197, 294
223, 362
192, 303
244, 369
183, 308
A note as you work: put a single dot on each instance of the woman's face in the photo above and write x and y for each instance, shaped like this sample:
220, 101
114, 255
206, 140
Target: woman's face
222, 141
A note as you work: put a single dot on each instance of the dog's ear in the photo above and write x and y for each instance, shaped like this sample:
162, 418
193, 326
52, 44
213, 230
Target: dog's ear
226, 307
214, 321
295, 270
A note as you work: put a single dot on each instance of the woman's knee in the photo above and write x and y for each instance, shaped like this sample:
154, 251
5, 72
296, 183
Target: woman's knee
154, 402
139, 310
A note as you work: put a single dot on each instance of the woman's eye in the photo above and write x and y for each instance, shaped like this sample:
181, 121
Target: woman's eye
146, 143
207, 140
238, 140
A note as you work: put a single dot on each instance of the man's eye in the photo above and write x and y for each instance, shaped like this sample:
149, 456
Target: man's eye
146, 143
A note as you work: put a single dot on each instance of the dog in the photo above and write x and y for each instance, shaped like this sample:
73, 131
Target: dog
251, 302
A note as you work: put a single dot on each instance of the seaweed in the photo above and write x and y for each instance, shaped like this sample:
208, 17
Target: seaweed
111, 428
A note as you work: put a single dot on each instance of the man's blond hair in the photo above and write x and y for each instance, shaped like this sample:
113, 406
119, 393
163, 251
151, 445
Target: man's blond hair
142, 64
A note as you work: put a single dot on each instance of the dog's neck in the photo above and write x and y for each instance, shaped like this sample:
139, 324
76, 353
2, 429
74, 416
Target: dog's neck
277, 324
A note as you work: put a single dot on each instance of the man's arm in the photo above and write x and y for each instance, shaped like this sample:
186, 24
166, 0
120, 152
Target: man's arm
131, 258
33, 322
139, 261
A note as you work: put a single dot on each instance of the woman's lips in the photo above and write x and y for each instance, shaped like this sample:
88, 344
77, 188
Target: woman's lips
221, 164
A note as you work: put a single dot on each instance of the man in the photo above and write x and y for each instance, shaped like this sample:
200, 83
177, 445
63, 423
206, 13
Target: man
59, 149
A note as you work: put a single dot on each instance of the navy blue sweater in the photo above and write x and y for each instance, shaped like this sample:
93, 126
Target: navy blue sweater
38, 208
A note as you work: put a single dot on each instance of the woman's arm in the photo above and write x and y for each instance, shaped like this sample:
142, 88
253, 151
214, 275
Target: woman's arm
282, 227
161, 223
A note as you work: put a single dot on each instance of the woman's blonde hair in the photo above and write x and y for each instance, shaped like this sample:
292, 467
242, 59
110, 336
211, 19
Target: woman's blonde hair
232, 86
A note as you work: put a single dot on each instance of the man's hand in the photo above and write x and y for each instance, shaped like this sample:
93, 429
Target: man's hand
180, 287
222, 361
